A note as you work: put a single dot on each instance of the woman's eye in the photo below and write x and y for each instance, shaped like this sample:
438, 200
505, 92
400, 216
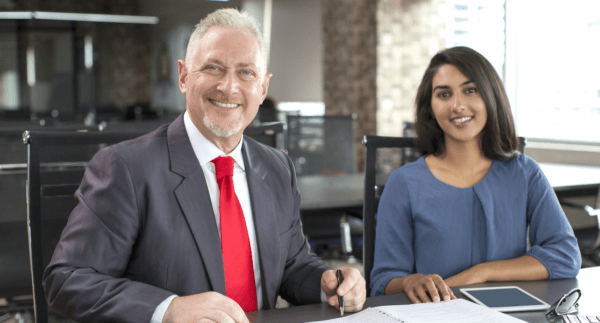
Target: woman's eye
471, 90
444, 95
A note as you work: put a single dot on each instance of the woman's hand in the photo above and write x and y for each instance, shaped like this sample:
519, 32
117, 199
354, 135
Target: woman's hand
417, 286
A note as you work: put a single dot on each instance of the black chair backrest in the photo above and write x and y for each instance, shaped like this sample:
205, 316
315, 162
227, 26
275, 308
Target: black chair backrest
372, 193
321, 144
376, 174
55, 165
267, 133
15, 280
15, 277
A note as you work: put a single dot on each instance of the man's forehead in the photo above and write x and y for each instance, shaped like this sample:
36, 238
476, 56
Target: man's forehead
232, 36
229, 45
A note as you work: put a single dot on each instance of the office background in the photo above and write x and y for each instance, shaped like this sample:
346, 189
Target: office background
360, 57
355, 56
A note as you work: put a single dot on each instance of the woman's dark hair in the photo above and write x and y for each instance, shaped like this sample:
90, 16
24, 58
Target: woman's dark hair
498, 138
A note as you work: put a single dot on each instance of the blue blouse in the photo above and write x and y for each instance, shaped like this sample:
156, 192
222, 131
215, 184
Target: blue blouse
427, 226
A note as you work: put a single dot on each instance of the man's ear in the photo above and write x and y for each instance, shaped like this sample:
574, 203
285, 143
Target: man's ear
265, 86
182, 76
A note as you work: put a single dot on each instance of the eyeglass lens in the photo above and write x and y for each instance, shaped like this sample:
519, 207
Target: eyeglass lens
568, 302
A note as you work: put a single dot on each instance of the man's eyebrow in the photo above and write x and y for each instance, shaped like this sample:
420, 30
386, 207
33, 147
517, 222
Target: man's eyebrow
246, 65
240, 65
216, 61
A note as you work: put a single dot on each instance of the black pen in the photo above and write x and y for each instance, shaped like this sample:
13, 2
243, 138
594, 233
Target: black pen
340, 278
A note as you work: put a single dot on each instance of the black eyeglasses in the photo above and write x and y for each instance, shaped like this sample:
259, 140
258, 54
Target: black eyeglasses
567, 304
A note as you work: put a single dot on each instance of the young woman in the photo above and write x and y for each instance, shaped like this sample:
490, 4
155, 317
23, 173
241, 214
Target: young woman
465, 212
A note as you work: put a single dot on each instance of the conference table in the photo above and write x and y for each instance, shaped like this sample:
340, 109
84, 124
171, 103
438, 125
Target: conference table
320, 192
549, 291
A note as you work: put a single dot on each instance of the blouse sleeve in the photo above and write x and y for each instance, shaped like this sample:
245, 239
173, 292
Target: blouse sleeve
552, 240
394, 255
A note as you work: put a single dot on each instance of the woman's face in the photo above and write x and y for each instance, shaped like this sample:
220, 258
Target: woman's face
457, 105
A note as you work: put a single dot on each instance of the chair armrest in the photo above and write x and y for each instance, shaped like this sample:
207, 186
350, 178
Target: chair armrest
590, 210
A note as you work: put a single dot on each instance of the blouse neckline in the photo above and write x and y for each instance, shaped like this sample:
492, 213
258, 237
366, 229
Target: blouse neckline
422, 161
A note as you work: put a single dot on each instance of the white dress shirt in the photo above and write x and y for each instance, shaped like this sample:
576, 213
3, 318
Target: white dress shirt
206, 151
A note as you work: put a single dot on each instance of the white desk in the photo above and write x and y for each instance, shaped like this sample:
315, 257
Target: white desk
572, 180
324, 192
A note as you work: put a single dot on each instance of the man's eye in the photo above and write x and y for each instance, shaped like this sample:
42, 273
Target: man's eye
211, 68
247, 74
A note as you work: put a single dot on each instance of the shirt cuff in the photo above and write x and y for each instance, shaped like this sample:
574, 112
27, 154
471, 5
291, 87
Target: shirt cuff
323, 297
159, 312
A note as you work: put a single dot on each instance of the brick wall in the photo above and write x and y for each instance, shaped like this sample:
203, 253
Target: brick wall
350, 64
410, 33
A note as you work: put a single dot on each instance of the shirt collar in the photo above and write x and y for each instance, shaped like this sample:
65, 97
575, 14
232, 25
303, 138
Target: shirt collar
205, 150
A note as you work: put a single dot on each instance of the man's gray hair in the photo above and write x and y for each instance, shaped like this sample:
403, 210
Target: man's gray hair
230, 18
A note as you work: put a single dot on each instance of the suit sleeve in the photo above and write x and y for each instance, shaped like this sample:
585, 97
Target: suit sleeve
86, 278
301, 281
552, 240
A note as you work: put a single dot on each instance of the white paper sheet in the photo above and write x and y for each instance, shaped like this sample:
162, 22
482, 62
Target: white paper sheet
455, 311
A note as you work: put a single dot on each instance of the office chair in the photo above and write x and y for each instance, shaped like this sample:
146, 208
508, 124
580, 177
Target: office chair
373, 191
380, 161
267, 133
55, 165
324, 146
321, 145
588, 238
15, 277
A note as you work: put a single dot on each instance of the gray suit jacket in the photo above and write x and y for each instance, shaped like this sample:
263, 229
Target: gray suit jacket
144, 229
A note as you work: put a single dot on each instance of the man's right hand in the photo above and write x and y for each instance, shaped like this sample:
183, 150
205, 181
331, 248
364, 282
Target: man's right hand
205, 307
417, 286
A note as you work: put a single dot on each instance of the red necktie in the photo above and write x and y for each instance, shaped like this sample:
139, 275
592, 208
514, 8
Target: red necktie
235, 245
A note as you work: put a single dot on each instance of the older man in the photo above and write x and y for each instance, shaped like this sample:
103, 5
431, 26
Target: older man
194, 221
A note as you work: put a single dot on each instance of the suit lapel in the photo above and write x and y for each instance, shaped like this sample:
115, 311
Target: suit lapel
194, 199
265, 223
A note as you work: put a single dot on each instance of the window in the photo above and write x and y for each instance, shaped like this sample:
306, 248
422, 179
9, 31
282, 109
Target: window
552, 68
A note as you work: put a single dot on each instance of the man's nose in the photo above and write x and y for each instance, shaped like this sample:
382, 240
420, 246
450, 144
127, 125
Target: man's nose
229, 83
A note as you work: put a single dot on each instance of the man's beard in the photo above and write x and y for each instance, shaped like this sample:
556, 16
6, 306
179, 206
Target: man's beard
232, 127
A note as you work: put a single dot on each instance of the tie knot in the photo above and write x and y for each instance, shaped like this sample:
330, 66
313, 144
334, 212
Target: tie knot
223, 166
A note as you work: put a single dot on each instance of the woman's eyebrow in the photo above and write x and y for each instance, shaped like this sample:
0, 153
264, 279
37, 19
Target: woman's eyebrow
447, 87
441, 87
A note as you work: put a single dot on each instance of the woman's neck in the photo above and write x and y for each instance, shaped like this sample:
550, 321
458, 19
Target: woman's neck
464, 156
460, 165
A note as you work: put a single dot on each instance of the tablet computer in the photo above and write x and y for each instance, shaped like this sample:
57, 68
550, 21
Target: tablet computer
505, 298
